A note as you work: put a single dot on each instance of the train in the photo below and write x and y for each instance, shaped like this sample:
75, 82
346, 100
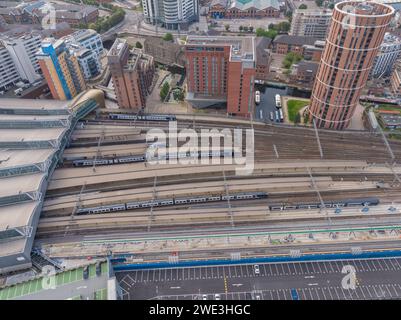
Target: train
170, 202
143, 117
145, 157
329, 204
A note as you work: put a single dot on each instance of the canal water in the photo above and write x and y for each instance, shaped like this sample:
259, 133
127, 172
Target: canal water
267, 99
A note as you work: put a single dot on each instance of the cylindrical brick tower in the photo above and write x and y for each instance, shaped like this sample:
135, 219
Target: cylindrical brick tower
356, 32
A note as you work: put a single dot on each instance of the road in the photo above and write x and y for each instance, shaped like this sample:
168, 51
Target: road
324, 280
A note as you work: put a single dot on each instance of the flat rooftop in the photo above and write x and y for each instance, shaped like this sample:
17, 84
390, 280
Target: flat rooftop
20, 184
17, 158
240, 46
21, 215
6, 103
42, 134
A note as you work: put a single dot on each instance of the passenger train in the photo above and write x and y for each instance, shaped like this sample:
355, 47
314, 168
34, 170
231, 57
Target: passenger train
143, 158
171, 201
328, 204
143, 117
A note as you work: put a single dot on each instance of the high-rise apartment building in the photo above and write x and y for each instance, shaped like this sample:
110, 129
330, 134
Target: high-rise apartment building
311, 23
8, 72
23, 50
61, 69
171, 14
356, 33
132, 74
221, 69
387, 56
88, 39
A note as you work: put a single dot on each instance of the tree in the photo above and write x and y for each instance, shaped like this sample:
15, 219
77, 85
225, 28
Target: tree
164, 91
227, 26
260, 32
138, 45
245, 29
319, 3
303, 6
179, 94
168, 37
284, 26
331, 6
251, 29
297, 118
241, 28
290, 59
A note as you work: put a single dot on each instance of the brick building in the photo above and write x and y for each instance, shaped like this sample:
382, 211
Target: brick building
237, 9
346, 61
132, 74
284, 43
221, 70
263, 57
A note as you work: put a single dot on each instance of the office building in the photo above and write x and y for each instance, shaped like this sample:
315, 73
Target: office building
310, 23
221, 70
61, 69
132, 74
356, 32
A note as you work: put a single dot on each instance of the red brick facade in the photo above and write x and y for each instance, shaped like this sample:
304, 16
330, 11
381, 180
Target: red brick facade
211, 73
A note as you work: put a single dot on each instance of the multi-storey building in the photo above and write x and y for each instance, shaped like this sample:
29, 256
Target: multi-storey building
263, 57
165, 52
395, 80
221, 69
284, 43
132, 74
33, 13
311, 23
23, 50
61, 69
88, 39
356, 33
171, 14
8, 72
387, 56
237, 9
88, 61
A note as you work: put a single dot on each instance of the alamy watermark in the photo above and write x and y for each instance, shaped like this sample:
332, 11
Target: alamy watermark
49, 19
209, 146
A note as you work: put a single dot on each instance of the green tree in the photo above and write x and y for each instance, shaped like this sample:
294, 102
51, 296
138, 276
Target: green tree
260, 32
164, 91
168, 37
251, 29
241, 28
138, 45
319, 3
331, 6
179, 94
303, 6
297, 118
227, 26
284, 26
245, 29
290, 59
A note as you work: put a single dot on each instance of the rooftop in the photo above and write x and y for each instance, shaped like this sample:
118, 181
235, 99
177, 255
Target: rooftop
28, 156
241, 47
258, 4
295, 40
